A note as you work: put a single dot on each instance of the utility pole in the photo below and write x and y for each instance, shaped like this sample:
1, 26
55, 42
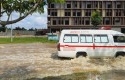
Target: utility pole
0, 11
0, 8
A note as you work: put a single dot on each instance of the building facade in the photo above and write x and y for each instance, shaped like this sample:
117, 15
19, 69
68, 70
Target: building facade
76, 14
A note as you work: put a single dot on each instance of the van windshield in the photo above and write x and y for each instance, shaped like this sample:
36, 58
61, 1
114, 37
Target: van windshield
119, 39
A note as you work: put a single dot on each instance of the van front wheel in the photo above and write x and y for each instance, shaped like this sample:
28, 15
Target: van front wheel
81, 54
120, 54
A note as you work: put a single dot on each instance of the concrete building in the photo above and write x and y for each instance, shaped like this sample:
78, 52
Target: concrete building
75, 14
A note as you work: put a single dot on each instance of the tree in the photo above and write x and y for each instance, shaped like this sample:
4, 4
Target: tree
31, 29
23, 7
96, 18
19, 28
2, 29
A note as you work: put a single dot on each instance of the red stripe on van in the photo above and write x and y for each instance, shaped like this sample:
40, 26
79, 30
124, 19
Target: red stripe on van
94, 46
74, 46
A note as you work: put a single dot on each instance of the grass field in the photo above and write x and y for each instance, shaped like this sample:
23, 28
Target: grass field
25, 40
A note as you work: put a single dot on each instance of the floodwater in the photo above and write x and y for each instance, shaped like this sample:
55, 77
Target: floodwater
38, 61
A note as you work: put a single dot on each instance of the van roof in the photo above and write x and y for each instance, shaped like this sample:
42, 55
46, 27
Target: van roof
88, 31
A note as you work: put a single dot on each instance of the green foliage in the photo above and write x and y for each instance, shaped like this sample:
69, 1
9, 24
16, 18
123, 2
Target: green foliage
57, 1
2, 29
19, 28
23, 7
96, 18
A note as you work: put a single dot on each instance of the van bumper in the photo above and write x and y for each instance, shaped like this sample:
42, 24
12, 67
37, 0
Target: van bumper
70, 54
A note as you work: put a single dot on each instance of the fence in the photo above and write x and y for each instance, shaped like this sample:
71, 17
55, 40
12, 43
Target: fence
17, 33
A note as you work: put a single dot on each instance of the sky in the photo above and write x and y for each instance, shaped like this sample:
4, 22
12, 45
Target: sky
35, 20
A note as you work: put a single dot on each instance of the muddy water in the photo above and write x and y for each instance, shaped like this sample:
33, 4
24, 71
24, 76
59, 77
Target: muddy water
39, 61
109, 75
95, 69
107, 69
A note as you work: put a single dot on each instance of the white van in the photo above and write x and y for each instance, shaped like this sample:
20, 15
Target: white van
91, 43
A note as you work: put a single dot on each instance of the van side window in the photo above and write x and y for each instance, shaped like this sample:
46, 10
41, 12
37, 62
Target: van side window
119, 39
101, 39
71, 38
86, 38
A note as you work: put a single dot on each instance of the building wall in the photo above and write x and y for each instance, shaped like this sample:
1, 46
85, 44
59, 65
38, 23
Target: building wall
77, 13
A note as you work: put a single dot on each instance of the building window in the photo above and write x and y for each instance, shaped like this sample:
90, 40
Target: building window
87, 22
118, 6
78, 13
66, 22
100, 4
107, 22
53, 13
119, 13
108, 13
116, 21
68, 5
52, 6
75, 22
48, 12
116, 13
74, 4
88, 13
67, 13
60, 22
83, 22
54, 22
96, 5
80, 5
48, 18
88, 5
109, 6
79, 22
74, 13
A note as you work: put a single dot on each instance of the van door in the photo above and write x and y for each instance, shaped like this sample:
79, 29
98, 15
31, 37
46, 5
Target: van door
119, 43
102, 45
86, 42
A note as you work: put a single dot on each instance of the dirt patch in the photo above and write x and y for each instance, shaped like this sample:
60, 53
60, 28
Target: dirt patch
38, 61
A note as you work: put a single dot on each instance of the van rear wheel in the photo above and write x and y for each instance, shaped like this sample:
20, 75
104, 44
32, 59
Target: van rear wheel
81, 54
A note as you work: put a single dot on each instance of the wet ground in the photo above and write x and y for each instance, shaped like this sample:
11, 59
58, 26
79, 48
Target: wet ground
39, 61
